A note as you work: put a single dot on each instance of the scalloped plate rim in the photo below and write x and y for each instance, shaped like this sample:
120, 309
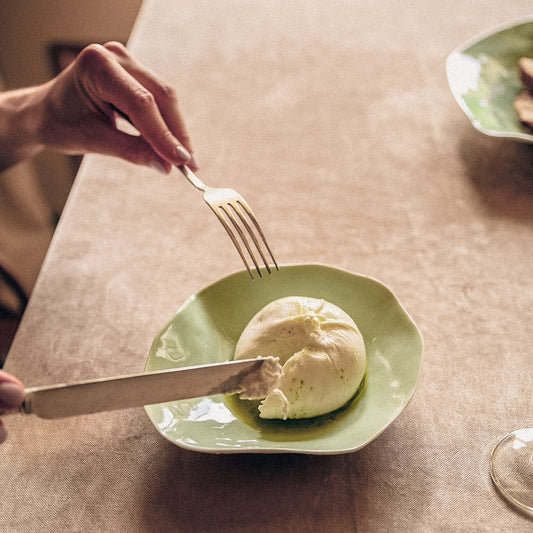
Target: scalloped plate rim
476, 39
288, 450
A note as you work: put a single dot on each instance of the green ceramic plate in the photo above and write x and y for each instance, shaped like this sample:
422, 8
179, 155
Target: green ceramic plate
207, 327
484, 78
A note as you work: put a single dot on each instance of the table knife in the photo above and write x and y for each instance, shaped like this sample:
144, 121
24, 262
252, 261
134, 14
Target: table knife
134, 390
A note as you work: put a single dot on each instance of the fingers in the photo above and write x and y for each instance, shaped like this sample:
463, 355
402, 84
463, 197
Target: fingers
11, 396
165, 95
110, 75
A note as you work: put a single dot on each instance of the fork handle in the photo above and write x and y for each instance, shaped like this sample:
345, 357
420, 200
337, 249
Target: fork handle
192, 177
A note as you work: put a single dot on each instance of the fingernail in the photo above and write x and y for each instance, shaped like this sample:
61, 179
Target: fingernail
182, 153
156, 165
11, 395
193, 163
3, 434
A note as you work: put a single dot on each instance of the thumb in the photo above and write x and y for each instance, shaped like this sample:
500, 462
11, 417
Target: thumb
106, 139
11, 391
11, 396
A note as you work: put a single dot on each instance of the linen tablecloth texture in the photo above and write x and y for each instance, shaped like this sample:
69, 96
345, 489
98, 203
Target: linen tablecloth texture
334, 120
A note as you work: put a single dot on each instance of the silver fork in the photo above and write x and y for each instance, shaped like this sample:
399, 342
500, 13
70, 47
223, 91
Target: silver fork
229, 206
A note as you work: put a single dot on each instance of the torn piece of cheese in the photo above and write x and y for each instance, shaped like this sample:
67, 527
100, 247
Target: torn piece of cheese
321, 349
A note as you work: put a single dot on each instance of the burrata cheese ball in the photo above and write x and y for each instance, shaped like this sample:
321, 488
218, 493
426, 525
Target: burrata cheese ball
321, 349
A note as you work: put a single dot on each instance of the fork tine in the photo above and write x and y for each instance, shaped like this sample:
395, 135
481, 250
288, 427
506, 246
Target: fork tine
232, 237
251, 234
230, 214
242, 204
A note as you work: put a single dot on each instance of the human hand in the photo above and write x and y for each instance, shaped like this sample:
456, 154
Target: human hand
11, 396
77, 110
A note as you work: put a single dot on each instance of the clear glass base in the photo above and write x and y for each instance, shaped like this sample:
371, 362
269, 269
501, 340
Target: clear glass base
511, 468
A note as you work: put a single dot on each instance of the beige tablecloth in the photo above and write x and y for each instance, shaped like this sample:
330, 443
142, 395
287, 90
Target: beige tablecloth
335, 121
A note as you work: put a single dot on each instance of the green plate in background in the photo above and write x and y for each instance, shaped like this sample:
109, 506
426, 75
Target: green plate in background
484, 78
207, 327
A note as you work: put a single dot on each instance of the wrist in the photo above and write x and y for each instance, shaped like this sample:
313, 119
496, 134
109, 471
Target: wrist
20, 112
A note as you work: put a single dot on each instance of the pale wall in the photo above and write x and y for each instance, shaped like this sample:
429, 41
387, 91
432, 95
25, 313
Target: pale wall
27, 28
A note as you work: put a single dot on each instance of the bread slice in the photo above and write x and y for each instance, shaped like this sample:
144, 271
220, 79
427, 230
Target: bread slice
524, 107
526, 72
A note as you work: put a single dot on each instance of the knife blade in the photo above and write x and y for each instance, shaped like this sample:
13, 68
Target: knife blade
135, 390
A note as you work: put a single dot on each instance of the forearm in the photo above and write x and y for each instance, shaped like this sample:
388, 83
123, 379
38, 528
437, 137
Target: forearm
20, 113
